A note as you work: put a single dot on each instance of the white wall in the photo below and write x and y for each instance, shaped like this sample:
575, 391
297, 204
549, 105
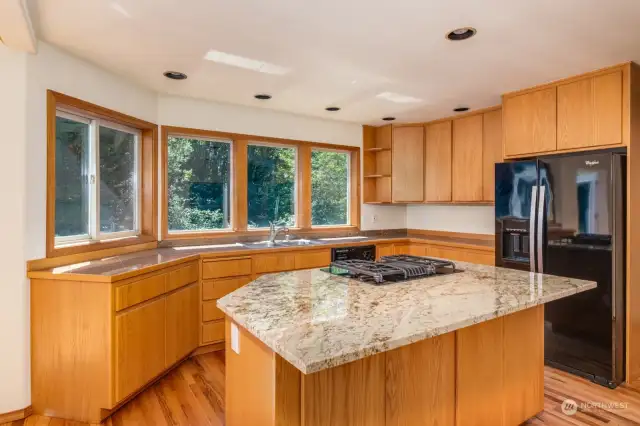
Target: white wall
15, 391
468, 219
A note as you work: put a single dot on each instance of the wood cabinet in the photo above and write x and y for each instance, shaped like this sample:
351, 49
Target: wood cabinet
467, 159
590, 112
312, 259
376, 162
276, 262
139, 347
530, 123
491, 151
182, 323
407, 179
384, 250
437, 162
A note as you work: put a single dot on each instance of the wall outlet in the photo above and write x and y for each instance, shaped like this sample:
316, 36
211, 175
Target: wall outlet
374, 218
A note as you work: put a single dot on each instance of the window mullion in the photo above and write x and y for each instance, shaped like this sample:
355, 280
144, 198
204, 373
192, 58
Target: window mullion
303, 186
95, 181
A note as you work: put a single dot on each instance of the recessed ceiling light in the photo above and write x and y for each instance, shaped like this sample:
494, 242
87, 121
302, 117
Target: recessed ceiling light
246, 63
175, 75
461, 33
398, 98
461, 109
262, 96
388, 118
333, 109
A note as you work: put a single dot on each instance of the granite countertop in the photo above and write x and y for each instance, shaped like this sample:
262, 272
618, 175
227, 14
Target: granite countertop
317, 321
121, 266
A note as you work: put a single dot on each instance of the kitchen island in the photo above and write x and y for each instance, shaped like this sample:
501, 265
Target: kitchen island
309, 348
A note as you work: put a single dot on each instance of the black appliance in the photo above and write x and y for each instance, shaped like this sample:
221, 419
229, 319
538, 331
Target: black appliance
565, 215
391, 268
355, 252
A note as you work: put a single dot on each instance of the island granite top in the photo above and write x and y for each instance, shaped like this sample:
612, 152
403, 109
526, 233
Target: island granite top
316, 321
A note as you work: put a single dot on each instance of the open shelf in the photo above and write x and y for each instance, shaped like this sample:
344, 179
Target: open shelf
377, 165
377, 149
376, 176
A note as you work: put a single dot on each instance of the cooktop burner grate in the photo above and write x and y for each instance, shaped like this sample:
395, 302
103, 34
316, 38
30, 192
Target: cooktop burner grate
392, 268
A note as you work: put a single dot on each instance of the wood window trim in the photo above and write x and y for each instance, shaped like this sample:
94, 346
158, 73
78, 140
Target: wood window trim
239, 213
149, 175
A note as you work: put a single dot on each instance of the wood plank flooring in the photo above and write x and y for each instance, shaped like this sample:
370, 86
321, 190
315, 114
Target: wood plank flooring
193, 394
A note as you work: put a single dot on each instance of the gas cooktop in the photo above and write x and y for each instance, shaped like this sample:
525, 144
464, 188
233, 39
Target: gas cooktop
391, 268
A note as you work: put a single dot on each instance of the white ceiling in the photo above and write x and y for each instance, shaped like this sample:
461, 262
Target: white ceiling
345, 52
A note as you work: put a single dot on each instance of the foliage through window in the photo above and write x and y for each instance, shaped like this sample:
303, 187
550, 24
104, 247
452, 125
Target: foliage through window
329, 187
199, 175
97, 179
271, 185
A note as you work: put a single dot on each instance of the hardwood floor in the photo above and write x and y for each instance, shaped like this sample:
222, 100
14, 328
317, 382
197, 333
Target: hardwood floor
193, 394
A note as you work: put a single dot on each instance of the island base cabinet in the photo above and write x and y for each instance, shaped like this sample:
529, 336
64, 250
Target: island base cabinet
488, 374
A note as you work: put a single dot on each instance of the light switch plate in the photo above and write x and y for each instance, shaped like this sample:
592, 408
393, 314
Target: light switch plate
235, 338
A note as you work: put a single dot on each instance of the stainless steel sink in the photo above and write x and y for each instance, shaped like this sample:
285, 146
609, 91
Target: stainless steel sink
282, 243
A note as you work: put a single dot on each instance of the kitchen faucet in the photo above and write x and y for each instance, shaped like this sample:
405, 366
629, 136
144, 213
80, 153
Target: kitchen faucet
274, 231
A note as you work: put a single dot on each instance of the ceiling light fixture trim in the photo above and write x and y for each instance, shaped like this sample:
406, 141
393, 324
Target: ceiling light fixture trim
332, 108
460, 34
262, 96
461, 109
388, 118
175, 75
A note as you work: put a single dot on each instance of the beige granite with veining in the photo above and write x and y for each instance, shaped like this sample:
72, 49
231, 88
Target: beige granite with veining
317, 321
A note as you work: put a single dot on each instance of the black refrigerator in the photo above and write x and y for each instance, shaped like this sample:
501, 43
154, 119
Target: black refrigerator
565, 215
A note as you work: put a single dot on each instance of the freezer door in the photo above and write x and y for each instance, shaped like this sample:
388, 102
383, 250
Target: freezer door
577, 242
515, 208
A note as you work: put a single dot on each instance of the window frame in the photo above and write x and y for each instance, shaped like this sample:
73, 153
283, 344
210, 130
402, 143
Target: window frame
239, 179
349, 188
165, 160
145, 215
295, 180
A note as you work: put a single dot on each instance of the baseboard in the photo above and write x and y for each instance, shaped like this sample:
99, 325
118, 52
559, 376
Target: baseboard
16, 415
214, 347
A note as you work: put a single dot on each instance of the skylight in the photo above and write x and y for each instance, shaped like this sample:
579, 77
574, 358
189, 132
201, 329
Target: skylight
398, 98
246, 63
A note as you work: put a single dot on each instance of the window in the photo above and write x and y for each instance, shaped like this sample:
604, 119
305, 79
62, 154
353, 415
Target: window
330, 186
96, 179
199, 182
271, 185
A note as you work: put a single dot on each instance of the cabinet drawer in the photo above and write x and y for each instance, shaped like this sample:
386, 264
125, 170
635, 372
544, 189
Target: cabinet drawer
273, 263
213, 332
139, 291
312, 259
210, 311
226, 268
215, 289
185, 275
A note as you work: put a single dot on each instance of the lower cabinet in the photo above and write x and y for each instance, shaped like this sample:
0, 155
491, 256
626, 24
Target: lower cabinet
139, 347
182, 323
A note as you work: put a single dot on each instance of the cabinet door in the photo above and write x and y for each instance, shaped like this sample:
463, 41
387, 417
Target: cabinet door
383, 250
408, 164
491, 151
182, 323
467, 159
575, 114
530, 123
140, 347
437, 163
607, 107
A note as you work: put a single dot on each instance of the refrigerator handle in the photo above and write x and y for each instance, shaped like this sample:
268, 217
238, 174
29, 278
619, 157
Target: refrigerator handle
540, 230
532, 228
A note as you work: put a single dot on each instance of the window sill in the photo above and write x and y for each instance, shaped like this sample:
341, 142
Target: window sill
91, 246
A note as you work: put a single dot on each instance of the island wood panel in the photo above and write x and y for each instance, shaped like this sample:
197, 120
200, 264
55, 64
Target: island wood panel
523, 358
351, 394
182, 323
71, 349
466, 165
420, 383
139, 347
437, 173
529, 122
479, 375
491, 151
408, 164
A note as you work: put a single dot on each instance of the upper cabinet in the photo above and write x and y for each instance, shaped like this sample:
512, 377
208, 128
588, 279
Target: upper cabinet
467, 159
589, 111
437, 162
491, 151
530, 123
408, 164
